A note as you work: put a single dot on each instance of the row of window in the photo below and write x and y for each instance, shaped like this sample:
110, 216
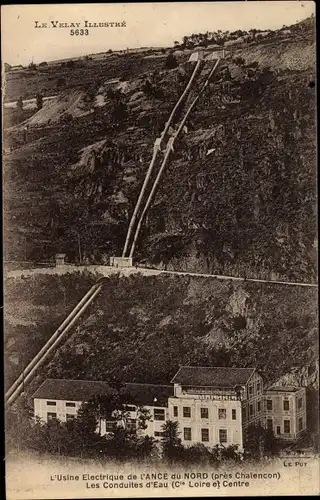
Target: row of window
159, 414
158, 433
204, 412
53, 416
54, 403
250, 389
286, 426
286, 404
251, 409
269, 406
187, 435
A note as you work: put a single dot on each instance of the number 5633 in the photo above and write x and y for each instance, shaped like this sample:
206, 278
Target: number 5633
79, 32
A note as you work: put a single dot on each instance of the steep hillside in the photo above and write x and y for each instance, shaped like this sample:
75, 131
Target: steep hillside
143, 328
34, 308
239, 194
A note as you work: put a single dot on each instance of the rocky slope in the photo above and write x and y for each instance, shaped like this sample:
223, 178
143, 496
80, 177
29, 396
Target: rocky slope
143, 328
237, 198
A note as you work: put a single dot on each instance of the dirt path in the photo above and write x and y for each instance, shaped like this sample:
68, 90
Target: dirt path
127, 271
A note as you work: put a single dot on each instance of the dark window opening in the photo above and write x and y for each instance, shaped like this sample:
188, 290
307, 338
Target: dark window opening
187, 411
286, 405
204, 412
223, 437
205, 435
187, 433
286, 426
222, 413
158, 414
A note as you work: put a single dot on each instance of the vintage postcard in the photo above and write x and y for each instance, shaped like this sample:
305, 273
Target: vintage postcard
160, 250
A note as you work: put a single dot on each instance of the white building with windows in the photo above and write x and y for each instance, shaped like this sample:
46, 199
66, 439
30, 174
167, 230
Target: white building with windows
152, 398
58, 399
212, 405
285, 411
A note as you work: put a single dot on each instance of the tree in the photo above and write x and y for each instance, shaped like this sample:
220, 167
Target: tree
172, 448
119, 113
122, 442
171, 61
19, 425
272, 445
91, 92
222, 453
20, 104
260, 442
39, 99
254, 441
196, 454
145, 447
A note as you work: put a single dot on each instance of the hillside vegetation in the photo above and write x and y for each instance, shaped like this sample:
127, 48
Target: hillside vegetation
239, 195
143, 328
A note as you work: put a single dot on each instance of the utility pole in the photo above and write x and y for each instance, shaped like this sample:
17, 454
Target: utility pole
25, 249
79, 247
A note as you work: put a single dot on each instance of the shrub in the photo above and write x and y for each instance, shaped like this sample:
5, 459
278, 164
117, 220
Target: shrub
39, 99
171, 62
20, 104
61, 82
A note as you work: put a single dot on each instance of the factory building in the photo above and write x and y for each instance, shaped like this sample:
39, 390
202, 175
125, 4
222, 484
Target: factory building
58, 399
212, 405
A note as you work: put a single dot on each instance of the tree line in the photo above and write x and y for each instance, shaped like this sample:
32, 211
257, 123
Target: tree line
220, 37
80, 437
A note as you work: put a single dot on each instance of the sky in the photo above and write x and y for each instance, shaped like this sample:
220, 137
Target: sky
147, 24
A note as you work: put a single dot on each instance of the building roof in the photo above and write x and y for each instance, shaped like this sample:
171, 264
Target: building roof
83, 390
70, 390
210, 376
150, 394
